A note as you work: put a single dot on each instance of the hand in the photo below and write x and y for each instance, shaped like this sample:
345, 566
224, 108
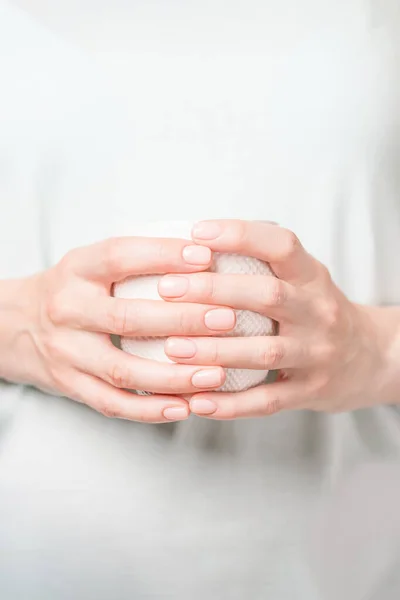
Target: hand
55, 329
329, 352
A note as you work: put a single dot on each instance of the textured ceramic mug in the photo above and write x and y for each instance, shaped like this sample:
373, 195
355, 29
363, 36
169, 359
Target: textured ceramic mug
145, 287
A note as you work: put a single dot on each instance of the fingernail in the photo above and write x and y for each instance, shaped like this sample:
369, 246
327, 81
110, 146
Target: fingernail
173, 286
176, 413
197, 255
220, 319
206, 230
180, 348
201, 406
208, 378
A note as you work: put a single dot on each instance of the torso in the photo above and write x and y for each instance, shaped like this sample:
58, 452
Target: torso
281, 111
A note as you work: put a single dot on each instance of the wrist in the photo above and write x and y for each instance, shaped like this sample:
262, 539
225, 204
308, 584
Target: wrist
18, 313
384, 326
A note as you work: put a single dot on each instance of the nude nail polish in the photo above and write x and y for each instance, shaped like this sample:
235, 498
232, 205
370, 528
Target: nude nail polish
176, 413
197, 255
206, 230
202, 406
180, 348
173, 286
207, 378
220, 319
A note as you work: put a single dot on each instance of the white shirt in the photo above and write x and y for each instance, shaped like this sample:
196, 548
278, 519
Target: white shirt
283, 111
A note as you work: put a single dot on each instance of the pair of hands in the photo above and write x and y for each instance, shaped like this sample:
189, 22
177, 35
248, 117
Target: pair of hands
328, 351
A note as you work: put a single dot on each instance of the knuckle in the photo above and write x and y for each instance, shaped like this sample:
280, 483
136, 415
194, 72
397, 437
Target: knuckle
274, 293
161, 251
329, 311
124, 317
209, 285
183, 323
56, 309
108, 409
120, 376
272, 356
290, 243
120, 321
214, 354
272, 405
186, 320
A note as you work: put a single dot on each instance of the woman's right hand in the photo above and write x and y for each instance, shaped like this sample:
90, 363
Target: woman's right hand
55, 329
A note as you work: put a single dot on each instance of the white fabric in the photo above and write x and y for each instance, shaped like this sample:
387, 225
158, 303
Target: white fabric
286, 111
248, 323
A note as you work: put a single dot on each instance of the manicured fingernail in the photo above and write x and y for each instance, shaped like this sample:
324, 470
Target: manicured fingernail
201, 406
180, 348
173, 286
197, 255
208, 378
220, 319
206, 230
176, 413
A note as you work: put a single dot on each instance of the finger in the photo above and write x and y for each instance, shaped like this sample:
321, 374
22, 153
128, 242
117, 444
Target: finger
266, 295
98, 357
264, 352
115, 403
261, 401
151, 318
275, 245
117, 258
131, 372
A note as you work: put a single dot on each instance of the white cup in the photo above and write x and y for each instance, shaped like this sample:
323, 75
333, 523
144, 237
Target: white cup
145, 287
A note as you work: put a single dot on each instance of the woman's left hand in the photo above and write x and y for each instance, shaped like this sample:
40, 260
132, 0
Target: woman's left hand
328, 351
